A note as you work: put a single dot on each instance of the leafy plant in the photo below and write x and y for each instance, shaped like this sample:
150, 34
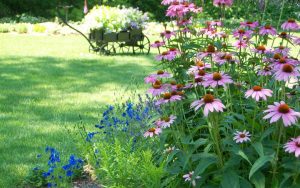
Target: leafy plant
39, 28
21, 28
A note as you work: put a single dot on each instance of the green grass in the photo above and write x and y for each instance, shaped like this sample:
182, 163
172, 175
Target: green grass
46, 83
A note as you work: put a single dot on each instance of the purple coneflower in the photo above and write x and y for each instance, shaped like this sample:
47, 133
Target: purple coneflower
241, 44
157, 44
165, 56
250, 24
217, 79
210, 50
282, 50
189, 177
222, 57
261, 50
290, 25
168, 34
266, 71
169, 97
242, 33
293, 146
156, 89
286, 72
240, 137
210, 104
267, 30
258, 93
200, 65
152, 132
223, 3
165, 121
283, 111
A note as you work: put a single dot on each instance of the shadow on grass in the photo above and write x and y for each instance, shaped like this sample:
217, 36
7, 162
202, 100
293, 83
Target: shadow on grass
42, 95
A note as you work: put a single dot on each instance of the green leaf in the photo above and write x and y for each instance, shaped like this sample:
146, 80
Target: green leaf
242, 154
258, 179
259, 163
204, 163
267, 133
230, 180
259, 148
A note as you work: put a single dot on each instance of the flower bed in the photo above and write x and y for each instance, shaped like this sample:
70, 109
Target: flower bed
222, 112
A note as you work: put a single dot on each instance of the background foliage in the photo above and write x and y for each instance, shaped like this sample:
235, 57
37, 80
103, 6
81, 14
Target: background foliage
242, 9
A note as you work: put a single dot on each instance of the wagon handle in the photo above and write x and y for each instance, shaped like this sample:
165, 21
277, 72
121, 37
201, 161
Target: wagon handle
66, 23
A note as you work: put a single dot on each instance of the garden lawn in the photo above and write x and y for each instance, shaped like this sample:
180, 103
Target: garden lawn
48, 84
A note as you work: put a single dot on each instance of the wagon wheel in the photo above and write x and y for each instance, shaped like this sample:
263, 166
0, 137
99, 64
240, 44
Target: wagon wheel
107, 49
93, 50
121, 47
141, 46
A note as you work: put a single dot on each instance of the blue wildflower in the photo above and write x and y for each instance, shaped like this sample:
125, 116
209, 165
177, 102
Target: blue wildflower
69, 173
90, 136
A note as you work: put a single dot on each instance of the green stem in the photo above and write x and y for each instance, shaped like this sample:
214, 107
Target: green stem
281, 12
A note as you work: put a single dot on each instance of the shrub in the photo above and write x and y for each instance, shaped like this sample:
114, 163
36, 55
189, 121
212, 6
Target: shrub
39, 28
21, 28
4, 28
115, 19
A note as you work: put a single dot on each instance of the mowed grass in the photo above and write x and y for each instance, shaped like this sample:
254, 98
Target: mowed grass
48, 84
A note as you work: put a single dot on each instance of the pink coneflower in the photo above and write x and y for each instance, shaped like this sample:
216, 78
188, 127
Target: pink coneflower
162, 74
278, 63
266, 71
222, 57
267, 30
200, 74
165, 56
156, 89
169, 97
240, 137
261, 49
189, 177
165, 121
197, 82
296, 40
223, 3
293, 146
286, 72
174, 51
290, 25
157, 44
168, 34
210, 50
210, 104
281, 50
215, 23
217, 79
258, 93
284, 35
152, 132
200, 65
184, 22
282, 110
242, 33
241, 44
250, 24
150, 79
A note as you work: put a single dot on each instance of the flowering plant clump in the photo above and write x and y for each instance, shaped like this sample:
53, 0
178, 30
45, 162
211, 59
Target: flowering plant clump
115, 19
236, 98
56, 173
